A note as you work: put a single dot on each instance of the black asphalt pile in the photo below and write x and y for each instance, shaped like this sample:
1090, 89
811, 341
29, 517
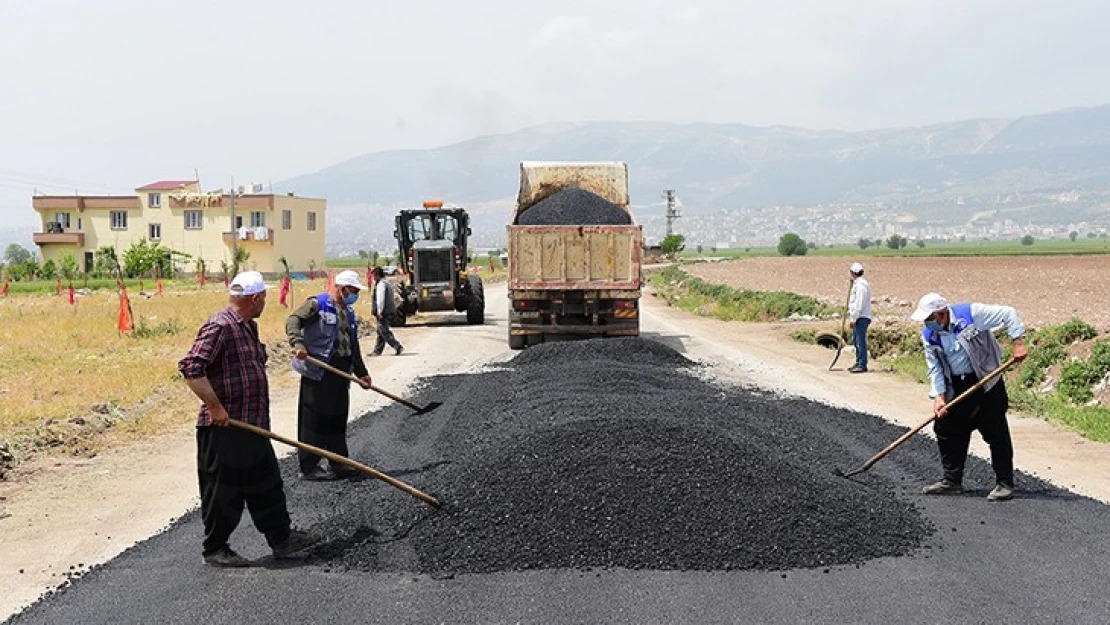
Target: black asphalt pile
611, 453
573, 206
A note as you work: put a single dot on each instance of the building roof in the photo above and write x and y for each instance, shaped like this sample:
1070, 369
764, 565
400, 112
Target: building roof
166, 185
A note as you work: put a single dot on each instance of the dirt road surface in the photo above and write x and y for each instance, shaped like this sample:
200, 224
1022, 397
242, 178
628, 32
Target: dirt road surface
68, 516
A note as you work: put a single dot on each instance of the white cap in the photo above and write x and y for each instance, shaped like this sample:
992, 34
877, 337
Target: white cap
348, 277
927, 305
247, 283
856, 268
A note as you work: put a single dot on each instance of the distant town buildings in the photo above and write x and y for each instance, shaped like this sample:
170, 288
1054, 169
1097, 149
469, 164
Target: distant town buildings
177, 214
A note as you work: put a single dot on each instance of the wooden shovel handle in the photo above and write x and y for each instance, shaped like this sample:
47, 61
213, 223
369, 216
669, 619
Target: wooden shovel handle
917, 428
334, 457
344, 374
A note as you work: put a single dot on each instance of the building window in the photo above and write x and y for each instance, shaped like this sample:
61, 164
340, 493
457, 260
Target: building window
193, 220
286, 220
258, 219
118, 220
62, 219
155, 232
311, 220
154, 200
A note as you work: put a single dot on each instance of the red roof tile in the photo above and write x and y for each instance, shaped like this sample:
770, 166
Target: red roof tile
166, 185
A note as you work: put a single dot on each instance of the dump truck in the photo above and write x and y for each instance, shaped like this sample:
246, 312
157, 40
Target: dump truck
434, 257
573, 279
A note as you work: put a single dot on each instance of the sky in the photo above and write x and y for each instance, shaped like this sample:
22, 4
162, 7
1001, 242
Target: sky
102, 97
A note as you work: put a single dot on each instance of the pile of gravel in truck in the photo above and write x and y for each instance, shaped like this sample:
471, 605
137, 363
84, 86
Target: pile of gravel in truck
600, 454
573, 206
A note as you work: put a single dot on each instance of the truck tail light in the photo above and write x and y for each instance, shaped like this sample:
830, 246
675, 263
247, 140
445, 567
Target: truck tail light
524, 304
625, 304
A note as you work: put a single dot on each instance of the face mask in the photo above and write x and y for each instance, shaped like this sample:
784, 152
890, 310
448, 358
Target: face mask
934, 326
351, 299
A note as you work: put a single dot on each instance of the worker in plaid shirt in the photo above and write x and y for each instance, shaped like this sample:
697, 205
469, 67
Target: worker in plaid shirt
226, 368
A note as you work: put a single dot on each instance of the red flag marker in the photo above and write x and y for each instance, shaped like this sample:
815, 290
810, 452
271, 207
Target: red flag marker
159, 287
284, 292
225, 281
124, 320
72, 298
4, 289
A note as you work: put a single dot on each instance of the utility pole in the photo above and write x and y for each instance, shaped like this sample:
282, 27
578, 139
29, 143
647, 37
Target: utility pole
674, 209
234, 230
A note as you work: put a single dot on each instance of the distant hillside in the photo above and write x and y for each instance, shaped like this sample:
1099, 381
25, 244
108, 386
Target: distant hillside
732, 165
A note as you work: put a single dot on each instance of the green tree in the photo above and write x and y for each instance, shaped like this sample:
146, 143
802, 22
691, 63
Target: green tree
242, 255
1073, 235
1027, 239
149, 259
672, 244
896, 242
363, 254
105, 262
863, 243
16, 253
67, 264
920, 243
374, 255
700, 248
49, 270
792, 245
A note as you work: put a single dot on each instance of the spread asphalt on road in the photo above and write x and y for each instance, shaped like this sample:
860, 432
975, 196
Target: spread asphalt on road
608, 481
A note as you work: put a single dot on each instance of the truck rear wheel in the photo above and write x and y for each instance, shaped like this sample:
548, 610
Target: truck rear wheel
516, 341
476, 309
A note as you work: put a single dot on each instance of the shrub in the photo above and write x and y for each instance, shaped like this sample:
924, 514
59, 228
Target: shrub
792, 245
1076, 379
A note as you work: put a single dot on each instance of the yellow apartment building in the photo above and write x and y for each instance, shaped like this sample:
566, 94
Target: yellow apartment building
181, 217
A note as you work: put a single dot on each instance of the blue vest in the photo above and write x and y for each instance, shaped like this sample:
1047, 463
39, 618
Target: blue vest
982, 348
320, 337
961, 320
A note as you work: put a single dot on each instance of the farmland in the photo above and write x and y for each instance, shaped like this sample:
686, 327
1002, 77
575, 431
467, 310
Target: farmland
1044, 289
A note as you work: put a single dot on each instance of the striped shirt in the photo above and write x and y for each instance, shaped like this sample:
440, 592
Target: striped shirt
228, 352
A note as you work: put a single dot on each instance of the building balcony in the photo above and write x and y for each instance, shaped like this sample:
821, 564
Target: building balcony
59, 238
250, 235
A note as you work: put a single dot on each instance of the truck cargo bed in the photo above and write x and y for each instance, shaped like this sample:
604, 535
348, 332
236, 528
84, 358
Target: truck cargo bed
574, 257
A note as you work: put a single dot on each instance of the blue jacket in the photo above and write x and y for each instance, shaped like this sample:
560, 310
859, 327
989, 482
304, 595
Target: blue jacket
320, 337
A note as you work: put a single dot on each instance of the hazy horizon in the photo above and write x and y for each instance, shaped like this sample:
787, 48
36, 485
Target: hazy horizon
108, 96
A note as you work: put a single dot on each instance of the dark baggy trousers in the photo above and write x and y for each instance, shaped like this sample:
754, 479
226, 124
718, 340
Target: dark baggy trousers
385, 335
322, 415
237, 468
859, 340
985, 412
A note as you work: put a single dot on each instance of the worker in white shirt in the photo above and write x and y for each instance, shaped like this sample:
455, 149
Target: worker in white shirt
383, 310
859, 316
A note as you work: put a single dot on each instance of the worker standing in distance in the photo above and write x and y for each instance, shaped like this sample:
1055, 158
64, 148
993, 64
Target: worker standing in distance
326, 328
960, 349
383, 309
226, 369
859, 316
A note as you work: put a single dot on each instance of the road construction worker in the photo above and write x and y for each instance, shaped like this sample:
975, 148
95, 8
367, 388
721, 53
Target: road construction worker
326, 328
383, 308
960, 349
859, 316
226, 369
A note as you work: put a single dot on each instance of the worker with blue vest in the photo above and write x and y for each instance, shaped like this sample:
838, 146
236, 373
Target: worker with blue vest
326, 328
960, 349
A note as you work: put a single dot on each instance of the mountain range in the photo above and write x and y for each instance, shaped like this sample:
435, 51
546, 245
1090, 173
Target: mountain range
715, 166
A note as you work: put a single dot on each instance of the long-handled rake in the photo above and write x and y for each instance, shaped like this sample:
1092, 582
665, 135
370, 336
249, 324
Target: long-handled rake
400, 400
917, 428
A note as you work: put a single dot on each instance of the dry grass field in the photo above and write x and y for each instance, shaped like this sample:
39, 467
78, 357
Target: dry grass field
67, 375
1044, 289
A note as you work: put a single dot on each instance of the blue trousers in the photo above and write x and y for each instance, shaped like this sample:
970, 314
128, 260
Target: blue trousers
859, 340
